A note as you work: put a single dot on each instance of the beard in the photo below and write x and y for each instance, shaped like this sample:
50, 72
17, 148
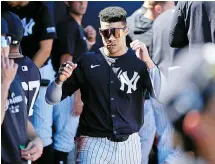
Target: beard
112, 49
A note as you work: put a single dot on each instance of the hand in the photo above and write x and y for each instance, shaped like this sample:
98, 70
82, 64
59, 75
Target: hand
65, 71
91, 33
200, 127
8, 70
142, 52
34, 150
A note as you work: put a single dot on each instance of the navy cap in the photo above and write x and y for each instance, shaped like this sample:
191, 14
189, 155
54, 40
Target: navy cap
15, 27
4, 26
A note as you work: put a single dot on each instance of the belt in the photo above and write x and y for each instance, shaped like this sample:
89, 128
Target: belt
118, 139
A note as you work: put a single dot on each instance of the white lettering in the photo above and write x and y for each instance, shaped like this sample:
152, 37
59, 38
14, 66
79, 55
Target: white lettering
132, 84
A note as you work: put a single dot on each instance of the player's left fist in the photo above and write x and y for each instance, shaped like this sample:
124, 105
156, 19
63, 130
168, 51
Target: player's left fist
91, 33
140, 50
34, 150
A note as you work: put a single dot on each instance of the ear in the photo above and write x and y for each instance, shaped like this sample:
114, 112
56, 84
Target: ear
66, 3
158, 9
100, 34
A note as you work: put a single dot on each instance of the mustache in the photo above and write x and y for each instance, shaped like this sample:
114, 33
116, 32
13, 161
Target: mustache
110, 43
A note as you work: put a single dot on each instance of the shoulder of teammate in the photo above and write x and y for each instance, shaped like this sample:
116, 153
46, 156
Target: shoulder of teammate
39, 6
32, 68
67, 20
67, 27
45, 21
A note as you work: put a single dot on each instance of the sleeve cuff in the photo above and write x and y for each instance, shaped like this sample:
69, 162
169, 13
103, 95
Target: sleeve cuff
58, 85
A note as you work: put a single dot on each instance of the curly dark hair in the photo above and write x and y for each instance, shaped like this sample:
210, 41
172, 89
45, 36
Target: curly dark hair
113, 14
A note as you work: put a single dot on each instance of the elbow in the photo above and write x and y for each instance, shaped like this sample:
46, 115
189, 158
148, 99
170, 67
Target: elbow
50, 98
50, 102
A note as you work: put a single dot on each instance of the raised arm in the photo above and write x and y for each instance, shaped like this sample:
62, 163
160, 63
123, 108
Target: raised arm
157, 80
8, 72
54, 90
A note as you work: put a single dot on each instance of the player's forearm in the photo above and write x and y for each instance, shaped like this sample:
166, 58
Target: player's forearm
43, 53
53, 93
41, 56
4, 94
149, 63
158, 80
31, 133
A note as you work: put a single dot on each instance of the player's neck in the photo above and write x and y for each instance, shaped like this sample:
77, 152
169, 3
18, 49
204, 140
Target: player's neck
78, 18
14, 53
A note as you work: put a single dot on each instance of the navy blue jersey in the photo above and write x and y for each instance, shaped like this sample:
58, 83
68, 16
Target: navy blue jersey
71, 39
14, 126
37, 23
112, 91
30, 78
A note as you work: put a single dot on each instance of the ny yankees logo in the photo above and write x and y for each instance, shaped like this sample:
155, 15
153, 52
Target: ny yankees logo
28, 26
132, 84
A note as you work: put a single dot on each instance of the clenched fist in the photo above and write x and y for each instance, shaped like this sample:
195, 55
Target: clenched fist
65, 71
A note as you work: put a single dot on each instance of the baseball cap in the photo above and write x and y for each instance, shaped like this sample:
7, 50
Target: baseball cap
4, 26
5, 40
15, 27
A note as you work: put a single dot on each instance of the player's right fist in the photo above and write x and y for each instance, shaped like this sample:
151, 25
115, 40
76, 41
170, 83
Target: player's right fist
65, 71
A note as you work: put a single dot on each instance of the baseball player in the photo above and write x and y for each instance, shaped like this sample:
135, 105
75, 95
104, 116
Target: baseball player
113, 81
39, 31
19, 139
72, 42
28, 72
8, 67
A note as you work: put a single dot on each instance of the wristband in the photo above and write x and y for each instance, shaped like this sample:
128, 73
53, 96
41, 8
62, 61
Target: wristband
60, 82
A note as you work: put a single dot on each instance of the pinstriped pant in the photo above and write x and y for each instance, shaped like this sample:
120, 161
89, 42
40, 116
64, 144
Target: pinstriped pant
156, 120
93, 150
147, 132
